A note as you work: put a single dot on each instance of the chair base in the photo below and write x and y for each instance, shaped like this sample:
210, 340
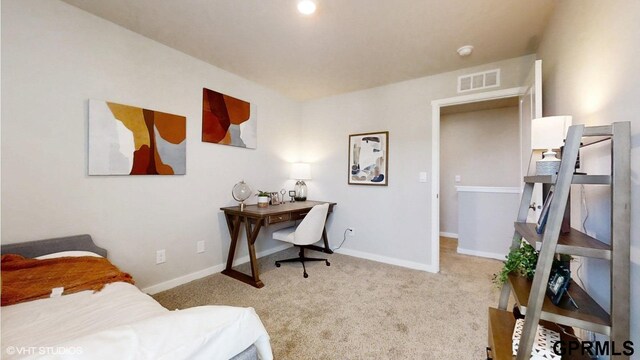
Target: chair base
301, 258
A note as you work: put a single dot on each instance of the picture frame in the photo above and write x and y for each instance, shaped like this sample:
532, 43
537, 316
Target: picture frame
558, 284
368, 159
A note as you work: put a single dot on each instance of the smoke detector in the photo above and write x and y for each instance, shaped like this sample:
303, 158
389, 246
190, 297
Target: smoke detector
465, 50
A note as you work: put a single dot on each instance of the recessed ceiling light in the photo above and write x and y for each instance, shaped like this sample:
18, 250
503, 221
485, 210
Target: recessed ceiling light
306, 7
465, 50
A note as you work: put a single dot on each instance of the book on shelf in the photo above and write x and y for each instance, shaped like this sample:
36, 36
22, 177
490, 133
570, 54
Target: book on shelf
544, 214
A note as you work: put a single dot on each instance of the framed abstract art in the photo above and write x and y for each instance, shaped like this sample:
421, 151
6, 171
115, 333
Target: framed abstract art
369, 159
128, 140
227, 120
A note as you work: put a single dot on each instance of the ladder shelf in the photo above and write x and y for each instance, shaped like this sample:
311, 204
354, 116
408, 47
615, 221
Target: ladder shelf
501, 325
588, 315
577, 179
575, 242
530, 295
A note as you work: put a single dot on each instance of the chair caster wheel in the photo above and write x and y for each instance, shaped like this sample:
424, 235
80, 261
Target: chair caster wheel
277, 264
328, 263
305, 275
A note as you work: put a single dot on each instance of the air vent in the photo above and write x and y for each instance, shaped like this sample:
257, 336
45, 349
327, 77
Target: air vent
477, 81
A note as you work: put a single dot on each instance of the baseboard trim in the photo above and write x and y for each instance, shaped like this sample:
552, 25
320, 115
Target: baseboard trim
245, 259
449, 234
388, 260
169, 284
481, 254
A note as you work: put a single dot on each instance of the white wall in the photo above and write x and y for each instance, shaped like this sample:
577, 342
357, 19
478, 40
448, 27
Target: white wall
590, 64
55, 58
485, 226
392, 221
483, 147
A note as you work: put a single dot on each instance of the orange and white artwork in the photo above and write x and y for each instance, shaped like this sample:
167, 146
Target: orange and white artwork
128, 140
227, 120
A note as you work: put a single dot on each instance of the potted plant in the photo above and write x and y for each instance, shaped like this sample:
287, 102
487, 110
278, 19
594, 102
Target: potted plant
522, 261
263, 198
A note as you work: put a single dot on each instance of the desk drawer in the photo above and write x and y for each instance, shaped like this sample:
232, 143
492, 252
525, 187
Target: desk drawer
272, 219
299, 215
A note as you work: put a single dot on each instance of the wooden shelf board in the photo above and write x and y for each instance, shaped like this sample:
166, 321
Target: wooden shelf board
501, 324
577, 179
573, 243
589, 315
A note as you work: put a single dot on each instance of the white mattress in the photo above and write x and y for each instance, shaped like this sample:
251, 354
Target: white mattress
120, 320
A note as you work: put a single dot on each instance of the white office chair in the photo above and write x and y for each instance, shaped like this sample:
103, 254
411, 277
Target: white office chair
308, 232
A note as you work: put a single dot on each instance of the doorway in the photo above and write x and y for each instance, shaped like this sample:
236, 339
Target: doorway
437, 106
479, 168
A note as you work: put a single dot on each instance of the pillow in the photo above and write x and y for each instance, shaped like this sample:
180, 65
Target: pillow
67, 253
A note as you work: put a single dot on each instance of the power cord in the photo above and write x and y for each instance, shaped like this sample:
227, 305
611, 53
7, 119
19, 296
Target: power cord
583, 196
344, 238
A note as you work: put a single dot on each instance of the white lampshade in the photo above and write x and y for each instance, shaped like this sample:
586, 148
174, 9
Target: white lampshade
549, 132
301, 171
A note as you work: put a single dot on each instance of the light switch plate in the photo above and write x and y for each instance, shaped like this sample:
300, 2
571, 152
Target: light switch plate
458, 178
422, 177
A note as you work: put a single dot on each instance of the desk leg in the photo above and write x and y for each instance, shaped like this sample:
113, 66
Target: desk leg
326, 248
235, 223
252, 235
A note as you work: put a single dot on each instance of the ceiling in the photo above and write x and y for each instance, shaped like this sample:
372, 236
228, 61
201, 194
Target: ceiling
346, 45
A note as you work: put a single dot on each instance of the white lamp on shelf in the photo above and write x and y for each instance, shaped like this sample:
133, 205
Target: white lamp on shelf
301, 172
548, 133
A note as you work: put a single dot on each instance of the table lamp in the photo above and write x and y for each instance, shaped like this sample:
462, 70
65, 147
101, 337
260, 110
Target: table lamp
548, 133
300, 172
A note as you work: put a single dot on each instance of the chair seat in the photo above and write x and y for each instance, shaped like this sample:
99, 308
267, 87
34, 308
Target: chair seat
286, 234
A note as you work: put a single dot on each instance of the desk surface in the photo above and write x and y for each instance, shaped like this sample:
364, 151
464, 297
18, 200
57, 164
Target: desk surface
254, 210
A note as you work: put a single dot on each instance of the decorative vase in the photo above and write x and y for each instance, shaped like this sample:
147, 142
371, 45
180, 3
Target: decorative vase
263, 201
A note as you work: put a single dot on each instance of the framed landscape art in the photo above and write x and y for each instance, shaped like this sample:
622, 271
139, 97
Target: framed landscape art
128, 140
369, 159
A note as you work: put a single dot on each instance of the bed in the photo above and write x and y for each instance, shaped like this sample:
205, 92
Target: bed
122, 322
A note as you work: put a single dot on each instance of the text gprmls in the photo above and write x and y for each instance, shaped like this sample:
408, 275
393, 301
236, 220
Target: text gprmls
597, 348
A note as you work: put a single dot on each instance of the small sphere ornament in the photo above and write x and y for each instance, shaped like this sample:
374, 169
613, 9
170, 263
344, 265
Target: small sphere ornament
241, 192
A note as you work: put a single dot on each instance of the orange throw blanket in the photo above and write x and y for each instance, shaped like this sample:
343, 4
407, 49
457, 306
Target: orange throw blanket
26, 279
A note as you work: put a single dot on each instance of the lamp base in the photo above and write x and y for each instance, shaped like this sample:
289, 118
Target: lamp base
301, 191
549, 165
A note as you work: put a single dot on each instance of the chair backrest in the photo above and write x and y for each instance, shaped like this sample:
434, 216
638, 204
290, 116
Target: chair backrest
310, 229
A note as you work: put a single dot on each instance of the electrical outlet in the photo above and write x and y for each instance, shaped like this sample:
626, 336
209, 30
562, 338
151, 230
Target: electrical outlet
458, 178
351, 231
161, 256
200, 246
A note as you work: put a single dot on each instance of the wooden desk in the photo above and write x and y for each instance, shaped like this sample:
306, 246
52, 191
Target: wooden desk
254, 218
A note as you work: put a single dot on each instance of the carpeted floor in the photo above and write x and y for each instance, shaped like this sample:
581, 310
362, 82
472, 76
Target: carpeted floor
360, 309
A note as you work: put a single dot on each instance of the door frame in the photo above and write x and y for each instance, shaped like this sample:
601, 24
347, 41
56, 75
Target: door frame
435, 155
